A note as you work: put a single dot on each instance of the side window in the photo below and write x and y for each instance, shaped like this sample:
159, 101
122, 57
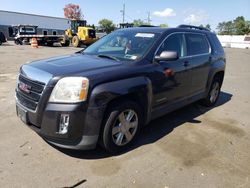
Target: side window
216, 44
175, 43
54, 32
45, 32
196, 44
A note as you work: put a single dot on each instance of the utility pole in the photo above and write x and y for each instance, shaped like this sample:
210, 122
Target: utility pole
123, 13
149, 19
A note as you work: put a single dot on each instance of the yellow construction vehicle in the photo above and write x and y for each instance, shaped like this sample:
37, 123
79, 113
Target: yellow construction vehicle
80, 34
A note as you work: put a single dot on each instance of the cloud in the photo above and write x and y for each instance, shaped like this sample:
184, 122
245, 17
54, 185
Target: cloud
168, 12
192, 18
196, 18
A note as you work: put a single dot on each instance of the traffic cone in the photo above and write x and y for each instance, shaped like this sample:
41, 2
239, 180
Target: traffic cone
34, 43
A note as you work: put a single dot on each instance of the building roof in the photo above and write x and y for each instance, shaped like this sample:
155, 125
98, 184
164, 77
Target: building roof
33, 14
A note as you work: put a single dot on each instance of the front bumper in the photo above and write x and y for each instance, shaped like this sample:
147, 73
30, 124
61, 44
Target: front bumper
83, 130
89, 40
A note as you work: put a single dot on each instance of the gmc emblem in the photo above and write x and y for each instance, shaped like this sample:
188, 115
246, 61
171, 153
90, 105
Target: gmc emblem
24, 87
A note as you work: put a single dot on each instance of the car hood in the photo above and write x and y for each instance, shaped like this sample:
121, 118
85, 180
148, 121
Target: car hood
71, 64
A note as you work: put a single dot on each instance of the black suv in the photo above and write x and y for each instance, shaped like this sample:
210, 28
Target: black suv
107, 92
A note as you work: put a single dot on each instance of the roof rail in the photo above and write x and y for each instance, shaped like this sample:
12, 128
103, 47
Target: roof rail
193, 27
147, 26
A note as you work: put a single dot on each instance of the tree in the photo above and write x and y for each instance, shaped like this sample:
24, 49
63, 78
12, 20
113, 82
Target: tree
92, 26
163, 25
239, 26
108, 25
139, 22
72, 11
229, 28
220, 27
206, 26
226, 28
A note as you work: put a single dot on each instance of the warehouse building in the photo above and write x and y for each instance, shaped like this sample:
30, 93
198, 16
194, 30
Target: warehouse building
47, 25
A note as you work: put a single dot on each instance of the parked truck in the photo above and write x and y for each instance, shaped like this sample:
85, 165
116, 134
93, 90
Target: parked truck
24, 33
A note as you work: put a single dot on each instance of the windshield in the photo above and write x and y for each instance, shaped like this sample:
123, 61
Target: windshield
123, 45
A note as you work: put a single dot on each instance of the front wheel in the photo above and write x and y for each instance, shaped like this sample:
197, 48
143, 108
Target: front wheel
121, 127
213, 94
75, 41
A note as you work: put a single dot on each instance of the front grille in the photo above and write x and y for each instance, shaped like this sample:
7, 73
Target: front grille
91, 33
30, 93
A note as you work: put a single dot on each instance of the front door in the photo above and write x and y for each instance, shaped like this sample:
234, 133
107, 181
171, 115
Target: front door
174, 79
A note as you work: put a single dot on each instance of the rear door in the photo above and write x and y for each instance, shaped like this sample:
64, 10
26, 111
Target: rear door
198, 58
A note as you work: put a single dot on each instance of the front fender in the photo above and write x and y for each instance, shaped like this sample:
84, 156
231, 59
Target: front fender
141, 87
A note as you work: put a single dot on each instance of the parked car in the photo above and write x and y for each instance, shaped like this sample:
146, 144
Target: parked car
2, 38
107, 92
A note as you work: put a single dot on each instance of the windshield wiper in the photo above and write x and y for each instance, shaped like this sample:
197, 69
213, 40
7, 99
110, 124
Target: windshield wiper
108, 56
80, 52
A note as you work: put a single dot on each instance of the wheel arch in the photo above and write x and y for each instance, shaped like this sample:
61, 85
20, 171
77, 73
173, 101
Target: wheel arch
220, 75
217, 69
138, 90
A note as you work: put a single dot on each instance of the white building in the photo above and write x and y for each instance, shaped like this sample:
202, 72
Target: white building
46, 24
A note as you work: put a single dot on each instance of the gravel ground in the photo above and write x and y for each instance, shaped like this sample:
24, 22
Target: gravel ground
191, 147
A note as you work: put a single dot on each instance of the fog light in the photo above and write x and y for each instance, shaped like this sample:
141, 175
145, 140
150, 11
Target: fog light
64, 124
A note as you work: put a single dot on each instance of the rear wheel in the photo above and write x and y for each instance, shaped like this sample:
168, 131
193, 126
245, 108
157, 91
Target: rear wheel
213, 94
66, 43
50, 44
18, 42
75, 41
121, 127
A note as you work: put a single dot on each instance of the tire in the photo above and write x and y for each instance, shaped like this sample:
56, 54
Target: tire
213, 94
121, 126
26, 42
41, 43
65, 41
0, 42
50, 44
66, 44
18, 42
75, 41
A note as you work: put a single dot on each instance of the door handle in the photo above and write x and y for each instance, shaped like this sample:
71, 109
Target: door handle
186, 64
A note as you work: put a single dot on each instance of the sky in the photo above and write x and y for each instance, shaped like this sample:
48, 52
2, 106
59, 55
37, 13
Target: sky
173, 13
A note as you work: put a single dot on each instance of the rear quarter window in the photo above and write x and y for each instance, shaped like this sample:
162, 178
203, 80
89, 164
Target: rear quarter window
196, 44
216, 45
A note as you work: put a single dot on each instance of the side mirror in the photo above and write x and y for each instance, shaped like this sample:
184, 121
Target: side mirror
167, 56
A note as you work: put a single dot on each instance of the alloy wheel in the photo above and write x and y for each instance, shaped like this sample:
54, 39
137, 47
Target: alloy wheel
214, 93
125, 127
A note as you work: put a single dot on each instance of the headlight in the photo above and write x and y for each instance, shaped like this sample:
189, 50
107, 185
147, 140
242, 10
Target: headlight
70, 90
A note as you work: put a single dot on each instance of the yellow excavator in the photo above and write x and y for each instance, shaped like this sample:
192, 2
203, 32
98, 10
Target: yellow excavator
79, 33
